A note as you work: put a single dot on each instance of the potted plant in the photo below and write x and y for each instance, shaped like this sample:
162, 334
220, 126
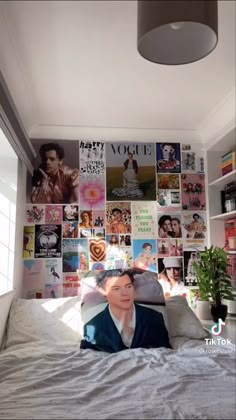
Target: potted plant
213, 281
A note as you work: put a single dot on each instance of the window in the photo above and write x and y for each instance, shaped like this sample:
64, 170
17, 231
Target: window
8, 187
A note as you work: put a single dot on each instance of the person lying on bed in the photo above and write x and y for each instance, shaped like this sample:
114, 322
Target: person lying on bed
123, 324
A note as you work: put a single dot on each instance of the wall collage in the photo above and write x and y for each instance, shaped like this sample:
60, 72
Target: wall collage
94, 206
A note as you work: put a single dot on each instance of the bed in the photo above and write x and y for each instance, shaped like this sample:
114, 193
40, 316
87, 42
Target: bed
44, 373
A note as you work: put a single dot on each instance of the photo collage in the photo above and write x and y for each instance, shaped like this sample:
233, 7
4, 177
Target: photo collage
95, 206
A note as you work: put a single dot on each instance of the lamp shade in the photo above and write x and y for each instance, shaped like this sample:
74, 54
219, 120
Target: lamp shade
177, 32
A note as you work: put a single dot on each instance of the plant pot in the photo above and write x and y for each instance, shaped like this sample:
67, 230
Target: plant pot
203, 309
219, 312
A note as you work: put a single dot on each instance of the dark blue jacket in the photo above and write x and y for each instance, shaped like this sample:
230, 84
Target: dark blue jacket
100, 333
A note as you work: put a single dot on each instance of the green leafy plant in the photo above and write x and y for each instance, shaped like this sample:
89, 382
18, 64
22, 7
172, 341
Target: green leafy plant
211, 271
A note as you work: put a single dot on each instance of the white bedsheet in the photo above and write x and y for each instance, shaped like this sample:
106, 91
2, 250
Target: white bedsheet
39, 382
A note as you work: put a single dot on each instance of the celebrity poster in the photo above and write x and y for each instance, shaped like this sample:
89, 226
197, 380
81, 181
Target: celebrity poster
56, 175
194, 225
144, 220
171, 277
130, 171
193, 192
168, 157
92, 158
118, 218
170, 225
190, 256
145, 254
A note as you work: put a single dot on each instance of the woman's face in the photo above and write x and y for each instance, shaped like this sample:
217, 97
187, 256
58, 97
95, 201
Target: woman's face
85, 217
147, 250
173, 273
175, 226
166, 226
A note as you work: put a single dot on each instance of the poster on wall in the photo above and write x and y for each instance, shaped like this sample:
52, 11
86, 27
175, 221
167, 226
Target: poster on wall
193, 192
53, 268
118, 217
92, 158
144, 221
192, 159
168, 157
70, 230
145, 254
97, 250
169, 225
190, 256
53, 291
70, 213
194, 225
163, 248
115, 255
56, 172
47, 241
71, 285
170, 276
53, 214
34, 214
168, 200
130, 171
92, 193
33, 279
70, 255
28, 241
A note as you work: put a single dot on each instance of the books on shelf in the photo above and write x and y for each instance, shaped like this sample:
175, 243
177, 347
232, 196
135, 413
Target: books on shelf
228, 162
230, 234
232, 268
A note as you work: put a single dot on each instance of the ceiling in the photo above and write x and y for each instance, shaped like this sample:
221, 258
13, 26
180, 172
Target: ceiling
74, 71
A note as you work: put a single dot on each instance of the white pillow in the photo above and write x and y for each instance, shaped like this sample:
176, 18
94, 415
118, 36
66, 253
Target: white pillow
47, 320
5, 304
182, 320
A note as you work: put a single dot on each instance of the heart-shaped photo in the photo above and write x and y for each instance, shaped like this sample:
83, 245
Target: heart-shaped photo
97, 249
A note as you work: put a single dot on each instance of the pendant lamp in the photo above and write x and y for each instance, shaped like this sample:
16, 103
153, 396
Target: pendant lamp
177, 32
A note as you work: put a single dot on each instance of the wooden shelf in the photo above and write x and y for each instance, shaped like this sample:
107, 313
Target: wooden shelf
223, 180
224, 216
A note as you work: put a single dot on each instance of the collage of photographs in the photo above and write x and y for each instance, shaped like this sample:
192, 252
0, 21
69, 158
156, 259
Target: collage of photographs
96, 206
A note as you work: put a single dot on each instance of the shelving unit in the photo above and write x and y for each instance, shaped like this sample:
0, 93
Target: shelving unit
224, 216
223, 180
216, 184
